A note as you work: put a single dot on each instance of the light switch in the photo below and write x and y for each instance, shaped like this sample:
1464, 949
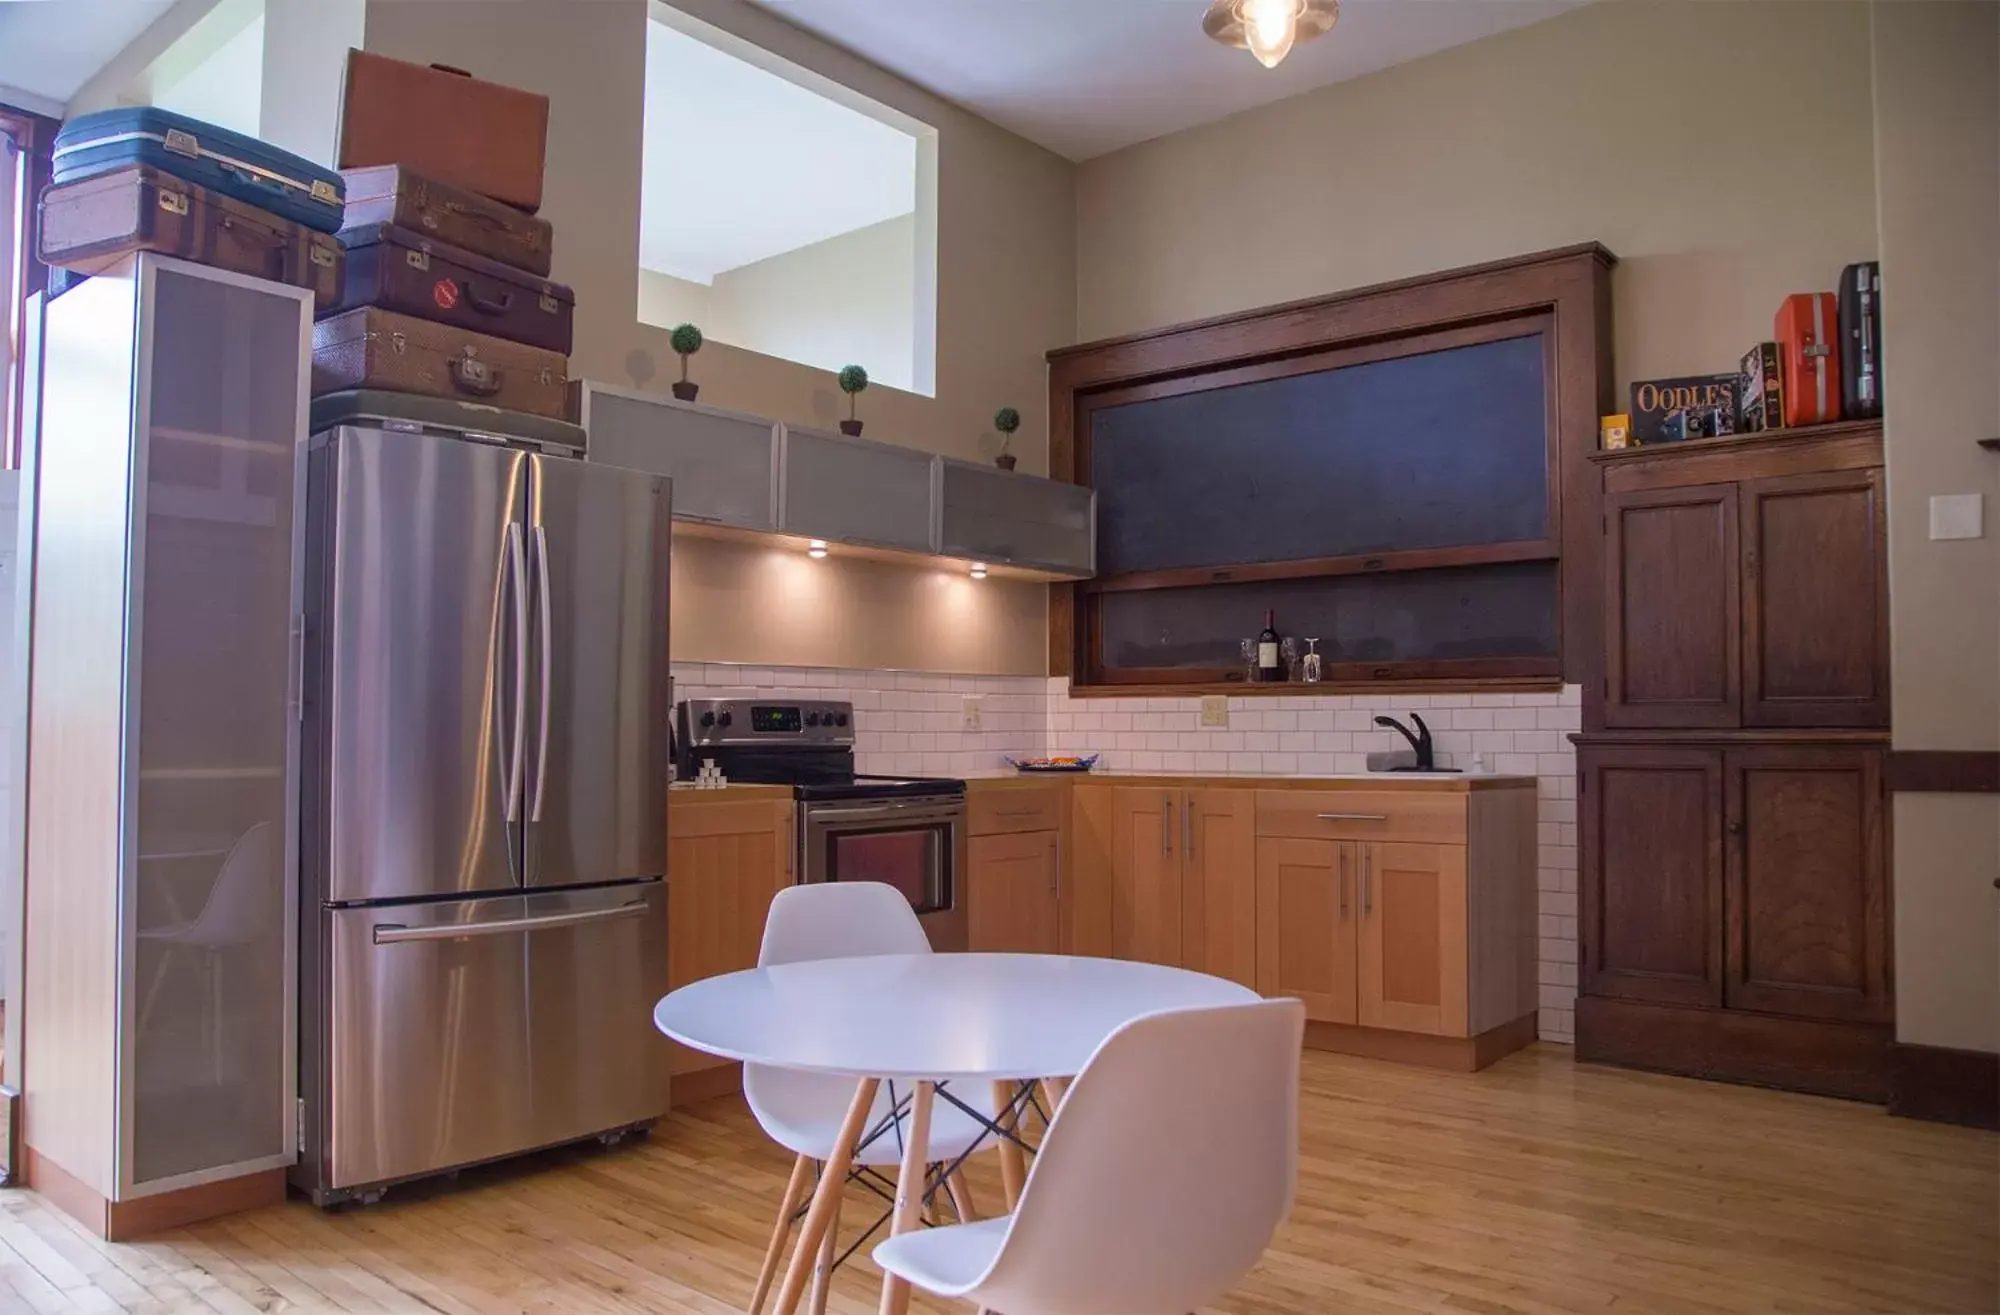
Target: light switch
1958, 516
1215, 710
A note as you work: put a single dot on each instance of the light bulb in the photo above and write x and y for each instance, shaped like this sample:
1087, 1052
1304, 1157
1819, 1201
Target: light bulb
816, 549
979, 570
1269, 29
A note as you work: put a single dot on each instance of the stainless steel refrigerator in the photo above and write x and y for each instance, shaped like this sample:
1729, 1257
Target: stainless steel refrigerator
486, 762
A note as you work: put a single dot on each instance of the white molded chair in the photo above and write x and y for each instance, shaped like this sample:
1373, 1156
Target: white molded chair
803, 1111
1167, 1169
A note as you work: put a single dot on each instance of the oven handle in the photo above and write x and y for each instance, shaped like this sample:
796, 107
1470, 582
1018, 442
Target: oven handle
893, 809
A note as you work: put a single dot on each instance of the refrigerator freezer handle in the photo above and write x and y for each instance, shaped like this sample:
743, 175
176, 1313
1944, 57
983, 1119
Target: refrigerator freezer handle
543, 598
396, 933
518, 578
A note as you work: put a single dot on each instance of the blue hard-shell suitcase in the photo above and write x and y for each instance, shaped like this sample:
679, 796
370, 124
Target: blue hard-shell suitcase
237, 166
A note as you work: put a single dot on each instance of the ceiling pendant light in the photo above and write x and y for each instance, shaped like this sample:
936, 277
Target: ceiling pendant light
1269, 29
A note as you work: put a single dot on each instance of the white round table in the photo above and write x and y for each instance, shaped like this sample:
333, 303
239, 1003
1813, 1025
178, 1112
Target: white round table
923, 1018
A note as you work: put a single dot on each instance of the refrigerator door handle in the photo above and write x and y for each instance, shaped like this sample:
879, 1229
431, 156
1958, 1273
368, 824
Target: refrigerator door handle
395, 933
518, 577
544, 598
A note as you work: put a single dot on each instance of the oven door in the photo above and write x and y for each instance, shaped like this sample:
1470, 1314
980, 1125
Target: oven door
915, 845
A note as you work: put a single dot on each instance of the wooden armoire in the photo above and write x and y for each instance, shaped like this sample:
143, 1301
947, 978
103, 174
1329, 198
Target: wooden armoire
1733, 826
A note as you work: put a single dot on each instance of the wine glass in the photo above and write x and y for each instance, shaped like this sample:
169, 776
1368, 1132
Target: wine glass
1312, 662
1288, 654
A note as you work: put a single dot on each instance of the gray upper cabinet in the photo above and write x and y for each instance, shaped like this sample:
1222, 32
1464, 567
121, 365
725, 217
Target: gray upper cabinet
852, 490
724, 465
993, 515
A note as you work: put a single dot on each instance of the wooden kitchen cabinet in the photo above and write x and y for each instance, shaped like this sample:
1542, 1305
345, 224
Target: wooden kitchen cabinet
1146, 843
1411, 968
727, 859
1218, 885
1307, 924
1672, 608
1012, 888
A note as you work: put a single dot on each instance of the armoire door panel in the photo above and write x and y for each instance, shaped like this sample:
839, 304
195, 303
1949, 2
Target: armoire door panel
1308, 914
1815, 601
1652, 873
1412, 974
1146, 875
1672, 619
1808, 930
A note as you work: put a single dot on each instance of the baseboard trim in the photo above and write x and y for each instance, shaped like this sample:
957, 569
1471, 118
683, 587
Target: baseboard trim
1940, 1085
122, 1221
1462, 1054
705, 1084
1822, 1058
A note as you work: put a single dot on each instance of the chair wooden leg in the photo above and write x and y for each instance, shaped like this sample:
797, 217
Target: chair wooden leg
910, 1181
1013, 1168
794, 1189
829, 1251
826, 1198
961, 1196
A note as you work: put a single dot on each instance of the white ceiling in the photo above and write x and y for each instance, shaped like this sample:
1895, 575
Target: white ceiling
50, 48
1083, 77
741, 164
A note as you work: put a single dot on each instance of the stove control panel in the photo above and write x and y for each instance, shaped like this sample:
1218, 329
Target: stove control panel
773, 722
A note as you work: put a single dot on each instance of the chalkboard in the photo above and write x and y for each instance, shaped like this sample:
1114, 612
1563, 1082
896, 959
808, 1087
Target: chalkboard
1505, 610
1441, 449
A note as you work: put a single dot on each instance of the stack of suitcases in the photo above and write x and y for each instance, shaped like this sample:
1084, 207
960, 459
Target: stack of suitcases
446, 290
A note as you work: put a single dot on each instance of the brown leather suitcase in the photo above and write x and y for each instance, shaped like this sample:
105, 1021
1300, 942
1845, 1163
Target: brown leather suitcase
392, 194
375, 348
445, 124
89, 224
401, 270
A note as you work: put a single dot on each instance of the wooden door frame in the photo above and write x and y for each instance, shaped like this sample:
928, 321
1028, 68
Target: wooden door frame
1751, 496
1617, 713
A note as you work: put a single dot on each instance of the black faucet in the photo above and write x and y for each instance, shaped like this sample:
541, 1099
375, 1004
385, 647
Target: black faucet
1420, 740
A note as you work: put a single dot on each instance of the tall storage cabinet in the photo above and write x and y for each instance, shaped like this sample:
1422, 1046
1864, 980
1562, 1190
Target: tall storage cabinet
160, 932
1733, 828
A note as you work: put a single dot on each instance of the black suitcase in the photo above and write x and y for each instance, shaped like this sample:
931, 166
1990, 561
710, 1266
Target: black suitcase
1861, 340
411, 273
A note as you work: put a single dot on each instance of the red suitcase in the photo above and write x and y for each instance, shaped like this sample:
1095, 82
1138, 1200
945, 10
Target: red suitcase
1808, 333
404, 271
445, 124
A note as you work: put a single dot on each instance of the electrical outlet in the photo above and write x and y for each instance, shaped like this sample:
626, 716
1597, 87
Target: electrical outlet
972, 712
1215, 710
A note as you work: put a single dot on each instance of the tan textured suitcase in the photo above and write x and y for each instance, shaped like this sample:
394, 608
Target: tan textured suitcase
87, 225
391, 194
445, 124
375, 348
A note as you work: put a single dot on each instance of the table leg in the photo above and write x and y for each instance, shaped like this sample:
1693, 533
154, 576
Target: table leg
1053, 1091
1013, 1168
826, 1198
911, 1180
794, 1189
961, 1197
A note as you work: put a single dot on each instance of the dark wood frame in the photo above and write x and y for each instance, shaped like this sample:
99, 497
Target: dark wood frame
1566, 291
35, 137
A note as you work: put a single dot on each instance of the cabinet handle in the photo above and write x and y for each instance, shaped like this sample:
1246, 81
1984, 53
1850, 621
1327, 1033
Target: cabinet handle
1343, 886
1367, 890
1735, 828
1352, 817
1058, 867
1166, 824
1187, 829
1015, 812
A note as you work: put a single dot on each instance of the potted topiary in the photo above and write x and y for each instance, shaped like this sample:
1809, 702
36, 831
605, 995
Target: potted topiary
853, 379
1006, 420
686, 341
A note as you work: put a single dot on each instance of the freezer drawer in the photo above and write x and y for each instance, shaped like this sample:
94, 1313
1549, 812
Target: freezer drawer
473, 1029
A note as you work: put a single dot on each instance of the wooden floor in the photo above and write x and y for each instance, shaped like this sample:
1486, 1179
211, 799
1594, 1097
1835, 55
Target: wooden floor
1535, 1186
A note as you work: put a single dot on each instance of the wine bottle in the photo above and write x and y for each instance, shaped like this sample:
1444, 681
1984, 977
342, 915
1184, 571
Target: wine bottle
1269, 668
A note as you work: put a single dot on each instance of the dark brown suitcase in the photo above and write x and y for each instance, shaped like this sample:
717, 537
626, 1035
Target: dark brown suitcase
374, 348
445, 124
404, 271
392, 194
86, 226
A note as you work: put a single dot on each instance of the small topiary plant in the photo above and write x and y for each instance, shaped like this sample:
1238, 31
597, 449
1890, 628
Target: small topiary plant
686, 341
853, 382
1006, 420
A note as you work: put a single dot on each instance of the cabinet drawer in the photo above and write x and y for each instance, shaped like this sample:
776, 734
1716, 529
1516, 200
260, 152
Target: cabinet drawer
1433, 817
994, 812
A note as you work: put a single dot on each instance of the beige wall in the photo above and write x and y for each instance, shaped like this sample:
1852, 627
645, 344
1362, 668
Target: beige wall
1006, 246
849, 299
1640, 124
768, 604
1937, 126
665, 301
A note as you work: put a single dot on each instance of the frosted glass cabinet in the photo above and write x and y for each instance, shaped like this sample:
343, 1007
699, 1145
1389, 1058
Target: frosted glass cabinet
163, 729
